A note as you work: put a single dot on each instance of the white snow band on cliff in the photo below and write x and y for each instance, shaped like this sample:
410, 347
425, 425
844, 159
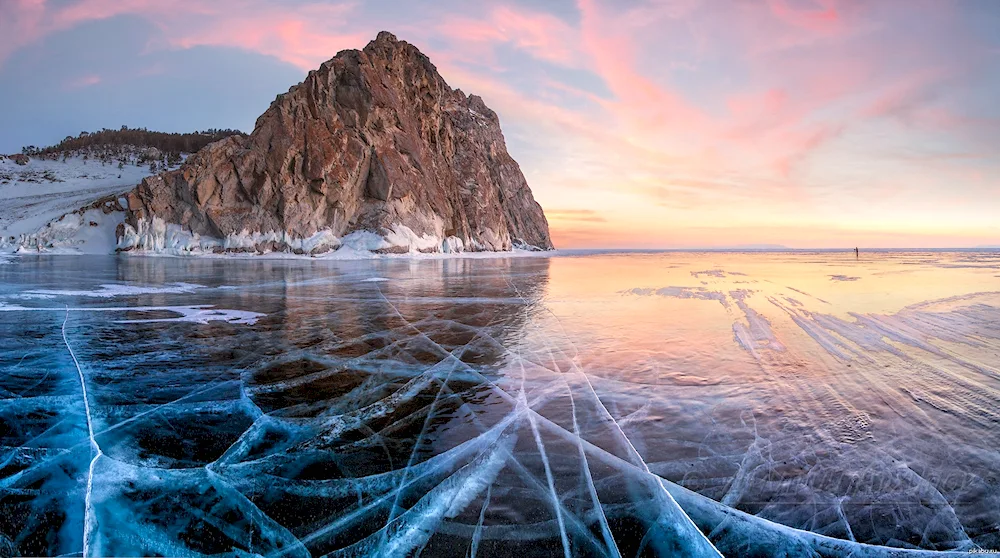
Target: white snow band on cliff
158, 236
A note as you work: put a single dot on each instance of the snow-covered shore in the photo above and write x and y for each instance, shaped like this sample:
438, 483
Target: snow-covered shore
46, 205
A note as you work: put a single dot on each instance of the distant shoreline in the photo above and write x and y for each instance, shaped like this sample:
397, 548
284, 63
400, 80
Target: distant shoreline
557, 253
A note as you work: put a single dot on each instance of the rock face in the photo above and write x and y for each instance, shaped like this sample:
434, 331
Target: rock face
374, 140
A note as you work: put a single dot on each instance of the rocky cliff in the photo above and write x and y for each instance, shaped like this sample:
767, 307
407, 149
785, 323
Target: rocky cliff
372, 148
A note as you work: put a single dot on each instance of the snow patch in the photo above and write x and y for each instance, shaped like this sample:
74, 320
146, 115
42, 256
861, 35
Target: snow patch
452, 245
363, 241
203, 315
401, 236
88, 232
200, 314
43, 191
154, 236
110, 290
519, 244
321, 241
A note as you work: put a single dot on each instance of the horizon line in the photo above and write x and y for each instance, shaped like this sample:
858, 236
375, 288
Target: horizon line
789, 249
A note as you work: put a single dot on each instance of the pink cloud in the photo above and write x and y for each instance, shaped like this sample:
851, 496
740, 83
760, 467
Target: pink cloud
21, 24
299, 37
302, 35
821, 16
544, 36
798, 144
642, 105
84, 81
541, 35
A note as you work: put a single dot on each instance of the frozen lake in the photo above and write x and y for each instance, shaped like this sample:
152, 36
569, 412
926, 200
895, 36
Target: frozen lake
602, 405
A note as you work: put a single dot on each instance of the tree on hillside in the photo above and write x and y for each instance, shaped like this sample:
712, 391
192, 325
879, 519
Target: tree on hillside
111, 143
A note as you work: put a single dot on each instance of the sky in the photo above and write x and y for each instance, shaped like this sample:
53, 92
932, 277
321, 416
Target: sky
638, 123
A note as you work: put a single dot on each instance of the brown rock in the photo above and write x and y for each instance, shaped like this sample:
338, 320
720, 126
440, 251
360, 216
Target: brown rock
19, 158
371, 140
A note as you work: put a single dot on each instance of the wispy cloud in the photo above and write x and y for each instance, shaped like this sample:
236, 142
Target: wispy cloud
584, 215
83, 81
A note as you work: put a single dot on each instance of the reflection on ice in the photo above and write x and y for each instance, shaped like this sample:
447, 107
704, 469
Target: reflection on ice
604, 405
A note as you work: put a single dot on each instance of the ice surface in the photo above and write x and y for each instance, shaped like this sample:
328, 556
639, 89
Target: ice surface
606, 405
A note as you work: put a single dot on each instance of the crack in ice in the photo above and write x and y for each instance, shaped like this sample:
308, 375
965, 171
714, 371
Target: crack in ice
696, 536
88, 521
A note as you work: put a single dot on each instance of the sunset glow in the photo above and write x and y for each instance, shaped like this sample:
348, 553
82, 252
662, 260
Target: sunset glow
650, 124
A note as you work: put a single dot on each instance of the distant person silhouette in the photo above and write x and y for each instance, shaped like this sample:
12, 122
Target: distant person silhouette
857, 255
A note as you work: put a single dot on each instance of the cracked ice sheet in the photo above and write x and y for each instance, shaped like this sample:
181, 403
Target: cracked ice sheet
518, 407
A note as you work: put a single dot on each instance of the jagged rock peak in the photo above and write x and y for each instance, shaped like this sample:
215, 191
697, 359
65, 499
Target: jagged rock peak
385, 37
374, 142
